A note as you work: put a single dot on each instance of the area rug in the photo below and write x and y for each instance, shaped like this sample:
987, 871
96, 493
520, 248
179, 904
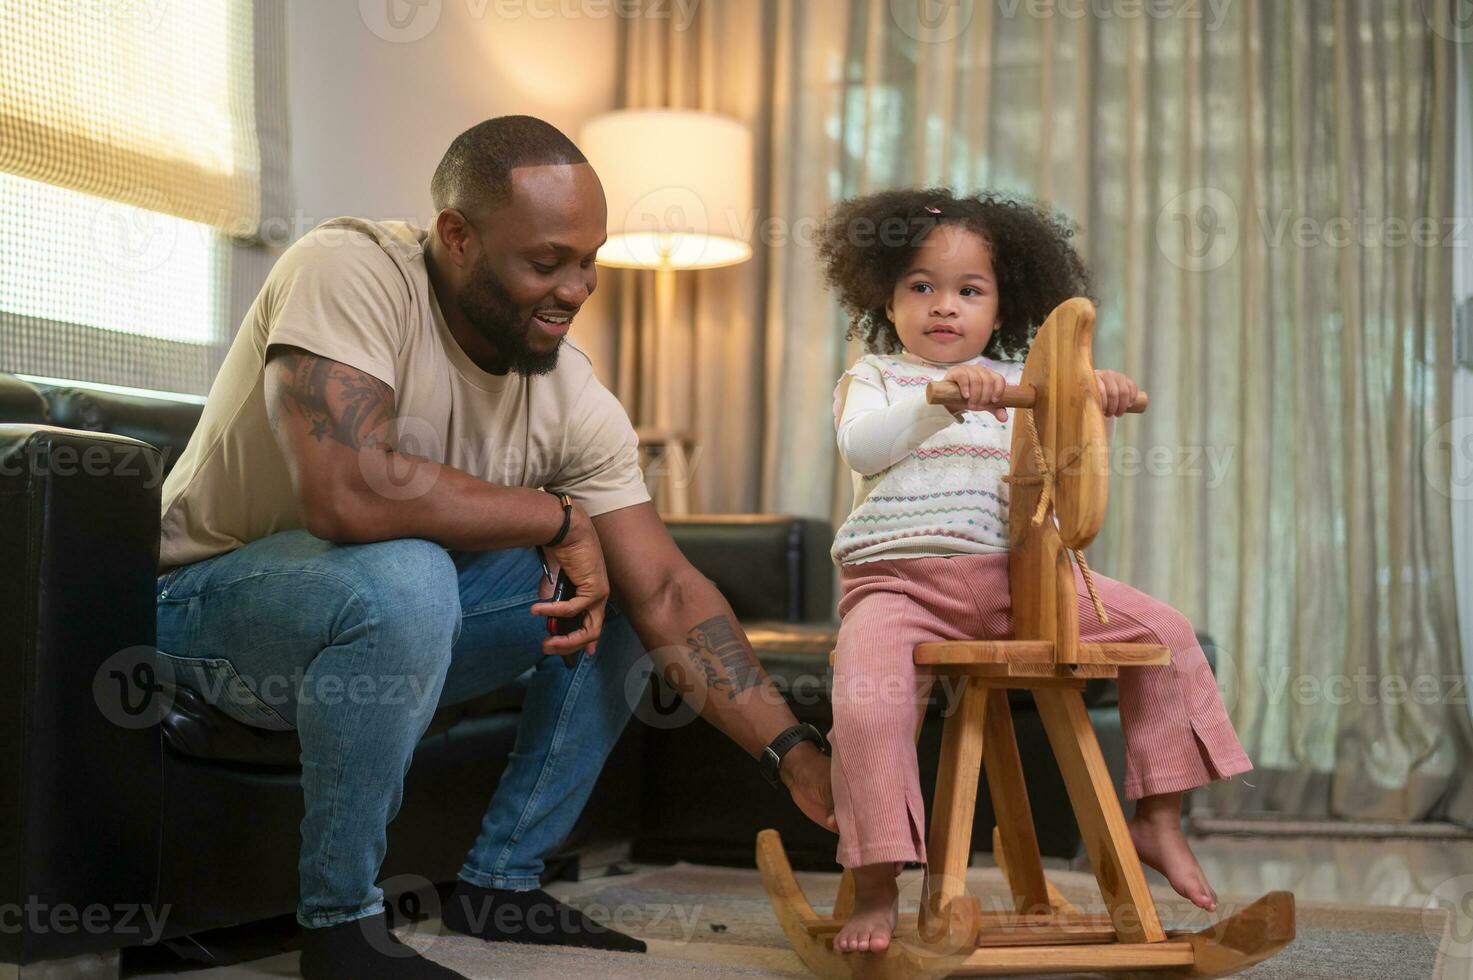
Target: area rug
716, 922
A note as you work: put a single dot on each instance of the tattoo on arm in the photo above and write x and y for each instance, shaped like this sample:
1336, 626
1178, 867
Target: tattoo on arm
717, 649
337, 401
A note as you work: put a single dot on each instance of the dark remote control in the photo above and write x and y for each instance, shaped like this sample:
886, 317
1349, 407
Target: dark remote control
561, 592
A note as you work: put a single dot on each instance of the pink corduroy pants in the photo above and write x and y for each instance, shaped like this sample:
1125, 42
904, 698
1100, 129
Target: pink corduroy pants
1177, 732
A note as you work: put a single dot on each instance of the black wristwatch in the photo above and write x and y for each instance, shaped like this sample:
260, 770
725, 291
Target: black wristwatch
771, 759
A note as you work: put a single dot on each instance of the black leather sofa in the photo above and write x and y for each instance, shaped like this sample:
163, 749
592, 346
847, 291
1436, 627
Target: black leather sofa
190, 814
195, 817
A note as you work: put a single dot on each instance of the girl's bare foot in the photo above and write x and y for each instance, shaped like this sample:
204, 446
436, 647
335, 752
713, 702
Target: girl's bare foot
875, 898
1156, 831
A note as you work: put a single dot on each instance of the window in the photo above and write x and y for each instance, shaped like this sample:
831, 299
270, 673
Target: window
130, 170
94, 290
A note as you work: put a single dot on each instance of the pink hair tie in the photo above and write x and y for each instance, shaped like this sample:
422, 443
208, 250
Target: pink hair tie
933, 210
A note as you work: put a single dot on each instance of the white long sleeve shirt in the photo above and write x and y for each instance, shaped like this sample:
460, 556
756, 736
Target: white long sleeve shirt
925, 484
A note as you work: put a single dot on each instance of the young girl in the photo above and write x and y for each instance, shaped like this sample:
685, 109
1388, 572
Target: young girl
946, 288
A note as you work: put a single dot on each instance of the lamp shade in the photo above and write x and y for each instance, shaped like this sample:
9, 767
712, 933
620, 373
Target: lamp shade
679, 187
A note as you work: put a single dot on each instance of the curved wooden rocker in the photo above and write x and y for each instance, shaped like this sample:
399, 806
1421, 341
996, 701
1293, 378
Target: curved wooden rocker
1059, 470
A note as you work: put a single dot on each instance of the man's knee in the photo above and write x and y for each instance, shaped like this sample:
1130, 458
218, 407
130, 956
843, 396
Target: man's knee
410, 587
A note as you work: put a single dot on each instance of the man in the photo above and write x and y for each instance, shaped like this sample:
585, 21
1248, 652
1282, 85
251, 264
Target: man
358, 511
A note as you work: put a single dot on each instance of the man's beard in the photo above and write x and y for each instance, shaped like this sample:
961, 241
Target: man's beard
494, 314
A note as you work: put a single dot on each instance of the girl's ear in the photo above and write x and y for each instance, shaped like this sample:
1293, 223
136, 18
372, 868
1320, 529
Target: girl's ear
890, 309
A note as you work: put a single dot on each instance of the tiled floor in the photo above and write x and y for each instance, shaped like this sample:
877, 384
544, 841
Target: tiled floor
1406, 873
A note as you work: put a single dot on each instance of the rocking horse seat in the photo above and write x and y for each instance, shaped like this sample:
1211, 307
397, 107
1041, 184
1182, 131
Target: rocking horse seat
1019, 661
1026, 660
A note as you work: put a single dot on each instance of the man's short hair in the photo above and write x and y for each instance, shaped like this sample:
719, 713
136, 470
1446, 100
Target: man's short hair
476, 171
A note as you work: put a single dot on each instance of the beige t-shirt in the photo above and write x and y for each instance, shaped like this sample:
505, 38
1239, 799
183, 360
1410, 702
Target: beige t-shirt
358, 292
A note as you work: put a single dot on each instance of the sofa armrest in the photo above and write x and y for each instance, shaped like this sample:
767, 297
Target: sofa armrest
79, 811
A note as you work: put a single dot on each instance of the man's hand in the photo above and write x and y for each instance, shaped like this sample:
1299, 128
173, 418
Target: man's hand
1117, 392
805, 772
582, 557
694, 640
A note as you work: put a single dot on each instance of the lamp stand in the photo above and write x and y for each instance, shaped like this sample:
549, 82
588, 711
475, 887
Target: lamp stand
667, 444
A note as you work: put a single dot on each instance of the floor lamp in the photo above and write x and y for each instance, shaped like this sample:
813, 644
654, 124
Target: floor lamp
679, 189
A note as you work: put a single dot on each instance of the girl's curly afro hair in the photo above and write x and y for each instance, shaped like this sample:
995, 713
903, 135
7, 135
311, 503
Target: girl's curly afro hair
868, 242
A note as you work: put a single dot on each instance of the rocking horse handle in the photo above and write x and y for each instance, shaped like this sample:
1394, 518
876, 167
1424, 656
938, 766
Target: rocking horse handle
949, 394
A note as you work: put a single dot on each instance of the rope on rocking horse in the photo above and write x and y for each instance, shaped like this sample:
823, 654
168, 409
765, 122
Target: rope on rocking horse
1045, 499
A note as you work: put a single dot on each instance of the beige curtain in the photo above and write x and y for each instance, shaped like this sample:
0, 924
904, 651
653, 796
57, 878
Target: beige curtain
1265, 195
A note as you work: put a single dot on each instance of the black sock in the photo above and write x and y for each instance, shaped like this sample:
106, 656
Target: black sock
500, 915
365, 949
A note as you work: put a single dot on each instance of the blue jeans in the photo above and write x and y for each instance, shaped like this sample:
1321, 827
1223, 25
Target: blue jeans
354, 647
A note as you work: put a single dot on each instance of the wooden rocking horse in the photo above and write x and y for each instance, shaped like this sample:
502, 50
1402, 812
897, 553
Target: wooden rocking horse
1059, 472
